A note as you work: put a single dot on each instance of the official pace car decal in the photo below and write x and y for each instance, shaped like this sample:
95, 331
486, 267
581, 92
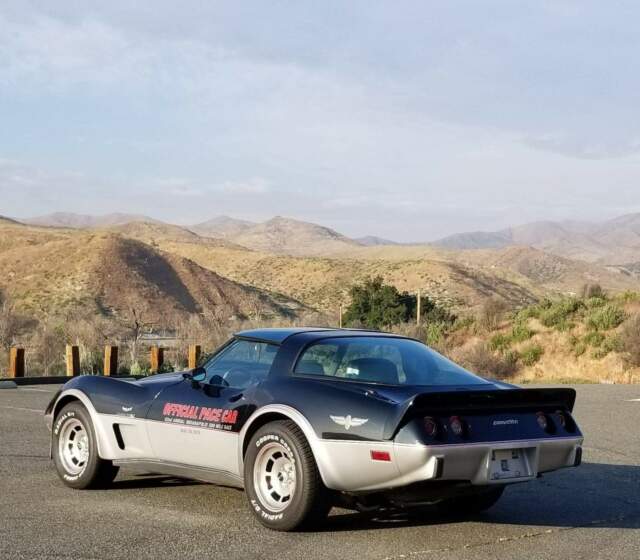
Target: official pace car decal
203, 416
348, 421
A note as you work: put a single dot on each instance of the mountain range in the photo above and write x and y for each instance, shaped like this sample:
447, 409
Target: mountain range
610, 242
614, 242
294, 266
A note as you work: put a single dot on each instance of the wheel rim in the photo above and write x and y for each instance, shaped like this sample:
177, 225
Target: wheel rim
73, 446
274, 476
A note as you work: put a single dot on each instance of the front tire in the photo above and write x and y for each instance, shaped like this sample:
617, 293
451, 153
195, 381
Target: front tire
282, 481
75, 450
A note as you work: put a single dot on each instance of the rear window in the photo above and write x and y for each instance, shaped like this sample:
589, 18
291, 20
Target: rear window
390, 361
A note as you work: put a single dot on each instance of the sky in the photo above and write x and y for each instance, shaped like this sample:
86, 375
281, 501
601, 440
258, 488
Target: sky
406, 120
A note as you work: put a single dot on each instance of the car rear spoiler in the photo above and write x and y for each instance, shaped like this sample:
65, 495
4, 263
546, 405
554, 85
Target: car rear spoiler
461, 402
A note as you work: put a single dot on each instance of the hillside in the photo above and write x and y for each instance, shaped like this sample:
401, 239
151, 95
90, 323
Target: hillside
611, 242
53, 271
292, 237
372, 241
593, 339
323, 283
222, 226
461, 280
83, 221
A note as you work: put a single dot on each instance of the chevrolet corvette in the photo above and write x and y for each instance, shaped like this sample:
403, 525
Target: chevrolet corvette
304, 419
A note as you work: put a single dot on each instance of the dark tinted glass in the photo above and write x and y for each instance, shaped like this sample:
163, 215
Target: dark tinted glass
391, 361
242, 363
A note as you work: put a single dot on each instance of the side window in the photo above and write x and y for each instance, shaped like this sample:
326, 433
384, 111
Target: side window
356, 352
357, 358
242, 363
319, 359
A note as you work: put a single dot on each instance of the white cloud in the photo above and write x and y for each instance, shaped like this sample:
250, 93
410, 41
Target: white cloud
255, 185
430, 119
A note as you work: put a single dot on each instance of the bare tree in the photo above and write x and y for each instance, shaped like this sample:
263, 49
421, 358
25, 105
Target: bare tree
492, 313
9, 324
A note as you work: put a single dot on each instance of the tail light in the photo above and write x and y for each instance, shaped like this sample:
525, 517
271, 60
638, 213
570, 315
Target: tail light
543, 421
431, 427
566, 421
457, 425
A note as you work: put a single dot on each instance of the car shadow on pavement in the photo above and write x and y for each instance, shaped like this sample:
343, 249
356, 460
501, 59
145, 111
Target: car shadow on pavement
593, 495
152, 480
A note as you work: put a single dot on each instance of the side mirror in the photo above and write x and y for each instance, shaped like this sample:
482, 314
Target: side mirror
196, 375
218, 381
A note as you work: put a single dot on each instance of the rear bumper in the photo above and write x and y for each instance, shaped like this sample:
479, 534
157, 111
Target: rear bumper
349, 467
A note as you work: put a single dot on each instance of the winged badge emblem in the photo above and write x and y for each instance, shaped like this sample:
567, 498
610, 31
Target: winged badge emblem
348, 421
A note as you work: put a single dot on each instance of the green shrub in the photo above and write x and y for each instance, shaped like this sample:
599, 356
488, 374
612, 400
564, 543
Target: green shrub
579, 349
594, 339
609, 344
628, 296
531, 312
630, 341
594, 302
500, 343
138, 369
606, 318
531, 354
435, 333
613, 343
521, 332
557, 314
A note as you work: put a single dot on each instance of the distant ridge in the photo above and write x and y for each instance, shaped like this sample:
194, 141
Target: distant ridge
85, 221
614, 241
374, 241
7, 220
293, 237
222, 226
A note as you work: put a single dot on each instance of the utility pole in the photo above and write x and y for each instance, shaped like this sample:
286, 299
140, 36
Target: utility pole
418, 308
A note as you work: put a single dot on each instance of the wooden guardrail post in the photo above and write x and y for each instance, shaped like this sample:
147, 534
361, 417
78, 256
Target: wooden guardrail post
16, 362
110, 360
73, 360
194, 355
157, 358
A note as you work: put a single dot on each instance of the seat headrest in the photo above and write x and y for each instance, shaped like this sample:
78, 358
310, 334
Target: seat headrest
377, 370
311, 367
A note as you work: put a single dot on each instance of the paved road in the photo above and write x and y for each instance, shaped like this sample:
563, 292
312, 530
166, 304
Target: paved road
591, 512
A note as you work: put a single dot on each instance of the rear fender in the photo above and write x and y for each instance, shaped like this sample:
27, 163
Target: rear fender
295, 416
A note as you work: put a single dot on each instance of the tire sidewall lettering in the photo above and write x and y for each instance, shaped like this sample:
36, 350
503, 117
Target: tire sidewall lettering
257, 506
63, 418
60, 422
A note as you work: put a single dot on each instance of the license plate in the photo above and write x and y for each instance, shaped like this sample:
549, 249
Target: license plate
509, 463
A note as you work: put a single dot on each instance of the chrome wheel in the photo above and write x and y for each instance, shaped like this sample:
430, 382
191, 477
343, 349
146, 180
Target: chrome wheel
274, 476
73, 447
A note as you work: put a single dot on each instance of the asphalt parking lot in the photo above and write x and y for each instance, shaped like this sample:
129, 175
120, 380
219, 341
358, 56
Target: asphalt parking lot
589, 512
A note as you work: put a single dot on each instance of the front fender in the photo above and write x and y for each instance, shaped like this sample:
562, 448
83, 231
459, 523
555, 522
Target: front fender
70, 395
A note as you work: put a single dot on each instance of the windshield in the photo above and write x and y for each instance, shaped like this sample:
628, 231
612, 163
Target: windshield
391, 361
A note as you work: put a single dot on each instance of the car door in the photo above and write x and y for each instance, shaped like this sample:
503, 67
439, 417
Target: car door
198, 423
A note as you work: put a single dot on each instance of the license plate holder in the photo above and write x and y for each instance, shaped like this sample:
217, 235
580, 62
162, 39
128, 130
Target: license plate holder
509, 464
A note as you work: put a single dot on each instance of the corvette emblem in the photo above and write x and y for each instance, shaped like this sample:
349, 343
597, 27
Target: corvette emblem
348, 421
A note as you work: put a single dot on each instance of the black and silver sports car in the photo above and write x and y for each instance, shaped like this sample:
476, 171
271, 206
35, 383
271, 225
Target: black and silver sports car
305, 419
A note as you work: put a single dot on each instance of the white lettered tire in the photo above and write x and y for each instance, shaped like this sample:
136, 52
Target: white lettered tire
75, 451
282, 482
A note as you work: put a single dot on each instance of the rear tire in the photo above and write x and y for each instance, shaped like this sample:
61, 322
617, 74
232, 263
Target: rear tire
282, 481
75, 450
